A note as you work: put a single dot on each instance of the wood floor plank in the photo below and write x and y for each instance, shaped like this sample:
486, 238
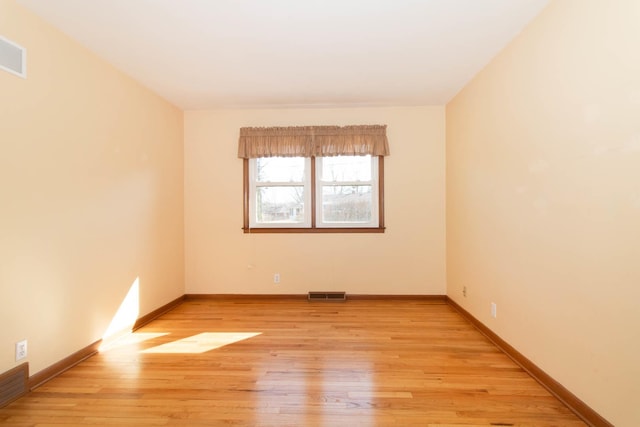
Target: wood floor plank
291, 362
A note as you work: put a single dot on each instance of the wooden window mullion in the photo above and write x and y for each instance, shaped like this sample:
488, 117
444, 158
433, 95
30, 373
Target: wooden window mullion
313, 192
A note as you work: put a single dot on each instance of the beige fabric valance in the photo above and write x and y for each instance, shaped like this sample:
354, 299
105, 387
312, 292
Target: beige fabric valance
308, 141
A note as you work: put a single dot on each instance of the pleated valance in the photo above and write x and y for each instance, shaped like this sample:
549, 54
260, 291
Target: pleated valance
309, 141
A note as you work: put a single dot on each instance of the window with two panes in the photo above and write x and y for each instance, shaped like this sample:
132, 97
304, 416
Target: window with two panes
337, 192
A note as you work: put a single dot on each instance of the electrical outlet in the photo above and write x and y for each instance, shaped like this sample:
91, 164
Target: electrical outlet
21, 350
494, 310
464, 291
276, 278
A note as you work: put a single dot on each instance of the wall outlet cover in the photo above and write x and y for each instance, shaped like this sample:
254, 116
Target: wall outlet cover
21, 350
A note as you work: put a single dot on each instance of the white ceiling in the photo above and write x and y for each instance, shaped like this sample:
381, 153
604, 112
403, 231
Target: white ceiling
202, 54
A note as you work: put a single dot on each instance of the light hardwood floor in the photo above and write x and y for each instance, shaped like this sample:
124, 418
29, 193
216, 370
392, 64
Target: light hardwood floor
295, 363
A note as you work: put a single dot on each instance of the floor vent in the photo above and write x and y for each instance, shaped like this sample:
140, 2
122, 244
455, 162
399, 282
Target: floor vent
327, 296
13, 384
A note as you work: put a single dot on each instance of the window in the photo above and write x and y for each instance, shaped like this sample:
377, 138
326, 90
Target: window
347, 191
279, 195
313, 179
343, 193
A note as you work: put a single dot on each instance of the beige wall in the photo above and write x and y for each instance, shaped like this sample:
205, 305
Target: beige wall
91, 193
407, 259
543, 199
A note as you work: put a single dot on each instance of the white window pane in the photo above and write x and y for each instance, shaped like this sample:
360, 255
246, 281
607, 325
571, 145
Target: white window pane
346, 204
346, 168
280, 204
280, 169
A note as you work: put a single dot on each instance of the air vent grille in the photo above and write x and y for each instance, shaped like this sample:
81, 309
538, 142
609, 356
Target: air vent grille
13, 58
327, 296
13, 384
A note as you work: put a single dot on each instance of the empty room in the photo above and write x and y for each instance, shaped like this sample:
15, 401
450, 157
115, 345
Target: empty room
320, 213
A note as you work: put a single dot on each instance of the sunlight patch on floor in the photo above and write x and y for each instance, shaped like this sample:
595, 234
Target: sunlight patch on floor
202, 343
131, 339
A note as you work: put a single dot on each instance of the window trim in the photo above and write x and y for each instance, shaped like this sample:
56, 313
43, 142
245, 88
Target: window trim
313, 186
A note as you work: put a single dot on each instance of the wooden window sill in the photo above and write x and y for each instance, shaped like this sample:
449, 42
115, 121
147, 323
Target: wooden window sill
314, 230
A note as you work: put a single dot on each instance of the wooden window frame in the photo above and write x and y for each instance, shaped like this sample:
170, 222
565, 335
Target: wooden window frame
313, 228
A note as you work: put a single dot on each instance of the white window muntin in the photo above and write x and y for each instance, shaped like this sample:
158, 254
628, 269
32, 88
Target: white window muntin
255, 185
320, 184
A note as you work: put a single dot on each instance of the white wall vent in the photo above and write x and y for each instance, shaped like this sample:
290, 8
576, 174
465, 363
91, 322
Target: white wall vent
13, 58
